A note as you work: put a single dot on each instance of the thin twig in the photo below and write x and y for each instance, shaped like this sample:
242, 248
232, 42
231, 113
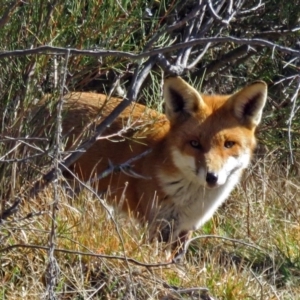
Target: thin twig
290, 120
115, 257
22, 160
222, 238
52, 271
216, 16
104, 53
9, 139
183, 55
23, 141
198, 58
124, 167
203, 30
252, 9
260, 284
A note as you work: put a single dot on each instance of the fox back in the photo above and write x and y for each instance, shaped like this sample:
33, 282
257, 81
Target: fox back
188, 160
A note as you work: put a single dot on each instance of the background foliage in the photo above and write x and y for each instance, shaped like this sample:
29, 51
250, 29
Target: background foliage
219, 66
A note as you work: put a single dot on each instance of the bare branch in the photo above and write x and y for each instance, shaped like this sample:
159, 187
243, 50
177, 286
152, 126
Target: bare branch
277, 31
199, 57
219, 18
168, 67
133, 56
259, 6
6, 213
209, 23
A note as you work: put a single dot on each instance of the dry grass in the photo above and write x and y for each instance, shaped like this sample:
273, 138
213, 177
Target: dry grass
251, 247
249, 250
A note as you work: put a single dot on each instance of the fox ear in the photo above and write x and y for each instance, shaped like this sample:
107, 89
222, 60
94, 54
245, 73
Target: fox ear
248, 103
181, 99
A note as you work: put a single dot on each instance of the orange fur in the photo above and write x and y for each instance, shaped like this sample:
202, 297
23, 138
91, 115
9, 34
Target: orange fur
198, 150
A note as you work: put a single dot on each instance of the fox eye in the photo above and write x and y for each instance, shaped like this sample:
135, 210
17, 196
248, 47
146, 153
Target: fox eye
229, 144
195, 144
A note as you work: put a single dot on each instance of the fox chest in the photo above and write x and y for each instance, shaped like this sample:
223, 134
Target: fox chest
190, 205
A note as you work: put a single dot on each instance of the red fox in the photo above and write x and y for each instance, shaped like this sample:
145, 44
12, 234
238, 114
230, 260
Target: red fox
199, 148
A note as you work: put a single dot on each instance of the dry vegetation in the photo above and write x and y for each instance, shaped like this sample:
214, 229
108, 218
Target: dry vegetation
54, 244
249, 250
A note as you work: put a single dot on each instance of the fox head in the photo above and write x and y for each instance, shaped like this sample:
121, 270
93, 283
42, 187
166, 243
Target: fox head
212, 137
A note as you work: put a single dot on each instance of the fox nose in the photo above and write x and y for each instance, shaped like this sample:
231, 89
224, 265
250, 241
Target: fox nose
211, 178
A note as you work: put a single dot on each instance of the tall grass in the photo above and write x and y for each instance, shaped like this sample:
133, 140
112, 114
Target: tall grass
251, 247
249, 250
